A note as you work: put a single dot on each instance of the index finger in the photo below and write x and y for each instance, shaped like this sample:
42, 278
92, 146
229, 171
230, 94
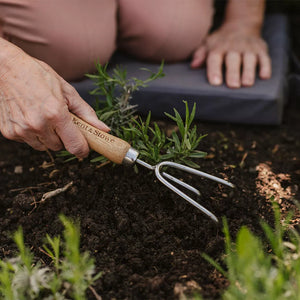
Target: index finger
71, 136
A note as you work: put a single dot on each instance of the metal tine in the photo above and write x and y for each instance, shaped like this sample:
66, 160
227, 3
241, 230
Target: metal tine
195, 172
185, 185
184, 168
160, 177
179, 192
183, 195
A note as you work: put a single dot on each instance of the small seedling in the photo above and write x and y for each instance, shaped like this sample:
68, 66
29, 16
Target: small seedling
21, 278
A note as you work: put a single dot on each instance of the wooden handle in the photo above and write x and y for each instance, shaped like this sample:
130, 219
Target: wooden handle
106, 144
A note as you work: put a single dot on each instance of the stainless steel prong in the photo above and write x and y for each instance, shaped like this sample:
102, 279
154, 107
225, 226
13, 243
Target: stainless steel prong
185, 185
170, 177
144, 164
160, 175
185, 196
195, 172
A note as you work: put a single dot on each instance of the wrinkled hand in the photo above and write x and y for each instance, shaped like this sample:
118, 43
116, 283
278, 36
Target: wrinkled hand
34, 107
240, 49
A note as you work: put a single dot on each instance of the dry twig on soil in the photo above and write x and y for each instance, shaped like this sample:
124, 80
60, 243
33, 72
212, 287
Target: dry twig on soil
54, 193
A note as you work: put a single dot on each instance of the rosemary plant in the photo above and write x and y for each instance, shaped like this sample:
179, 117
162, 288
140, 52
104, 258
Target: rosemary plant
146, 136
116, 110
155, 146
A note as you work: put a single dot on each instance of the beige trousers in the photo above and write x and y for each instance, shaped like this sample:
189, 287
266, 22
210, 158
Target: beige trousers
72, 35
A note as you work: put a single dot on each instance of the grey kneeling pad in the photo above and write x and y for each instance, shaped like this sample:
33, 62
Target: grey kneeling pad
261, 104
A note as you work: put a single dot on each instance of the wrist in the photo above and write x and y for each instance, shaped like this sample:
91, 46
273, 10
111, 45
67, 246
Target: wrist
8, 53
244, 26
246, 15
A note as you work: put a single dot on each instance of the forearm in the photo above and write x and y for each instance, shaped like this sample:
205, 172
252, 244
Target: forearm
245, 13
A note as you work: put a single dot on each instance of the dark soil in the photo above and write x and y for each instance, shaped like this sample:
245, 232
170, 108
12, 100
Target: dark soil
147, 241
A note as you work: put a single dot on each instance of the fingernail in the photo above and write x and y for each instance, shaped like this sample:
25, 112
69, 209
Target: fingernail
247, 82
264, 74
234, 84
195, 63
216, 80
105, 127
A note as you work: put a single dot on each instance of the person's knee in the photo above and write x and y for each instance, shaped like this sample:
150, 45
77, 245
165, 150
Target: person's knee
69, 36
72, 58
169, 29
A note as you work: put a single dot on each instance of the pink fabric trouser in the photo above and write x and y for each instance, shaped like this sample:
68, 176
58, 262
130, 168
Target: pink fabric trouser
72, 35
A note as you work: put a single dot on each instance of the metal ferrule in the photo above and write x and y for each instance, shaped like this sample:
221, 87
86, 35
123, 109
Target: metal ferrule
130, 157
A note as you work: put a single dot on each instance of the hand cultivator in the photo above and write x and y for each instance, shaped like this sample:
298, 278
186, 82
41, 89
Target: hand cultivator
120, 152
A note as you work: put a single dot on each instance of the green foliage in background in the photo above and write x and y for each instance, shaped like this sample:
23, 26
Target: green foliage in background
21, 278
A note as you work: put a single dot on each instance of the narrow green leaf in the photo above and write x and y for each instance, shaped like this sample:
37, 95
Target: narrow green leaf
187, 113
190, 163
179, 123
215, 264
176, 141
170, 116
197, 154
192, 115
99, 159
148, 120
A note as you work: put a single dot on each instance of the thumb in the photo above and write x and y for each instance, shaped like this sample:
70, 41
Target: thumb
198, 57
82, 109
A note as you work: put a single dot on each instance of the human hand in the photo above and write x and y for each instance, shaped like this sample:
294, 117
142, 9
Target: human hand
35, 105
240, 49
